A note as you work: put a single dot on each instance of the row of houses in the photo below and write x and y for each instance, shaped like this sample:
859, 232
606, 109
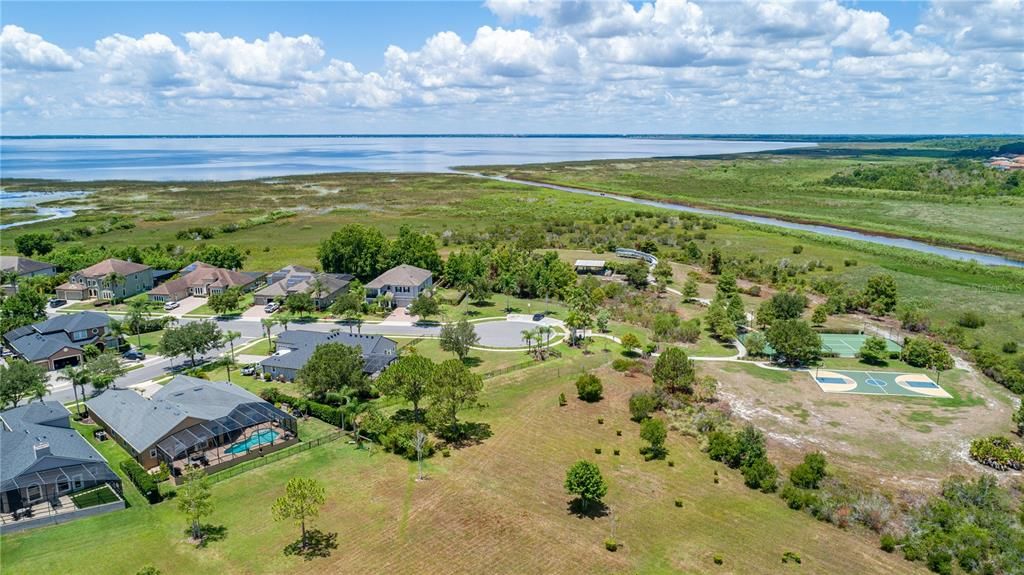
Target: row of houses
120, 279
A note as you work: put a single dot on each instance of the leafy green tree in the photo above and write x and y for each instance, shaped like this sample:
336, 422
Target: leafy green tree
873, 351
104, 369
820, 315
765, 315
690, 289
452, 388
601, 321
642, 404
356, 249
424, 306
226, 301
351, 302
20, 380
674, 372
194, 499
583, 479
939, 359
414, 249
917, 351
190, 339
662, 272
794, 342
33, 243
636, 274
881, 291
714, 262
735, 311
300, 303
409, 378
654, 432
22, 308
589, 388
630, 342
787, 305
301, 502
507, 283
760, 474
458, 338
227, 257
332, 368
810, 473
756, 344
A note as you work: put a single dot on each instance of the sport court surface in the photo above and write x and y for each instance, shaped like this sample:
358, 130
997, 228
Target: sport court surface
849, 344
877, 383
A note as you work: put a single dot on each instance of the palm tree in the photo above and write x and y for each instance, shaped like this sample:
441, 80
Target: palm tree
318, 290
111, 280
268, 323
138, 313
230, 337
78, 376
528, 338
39, 391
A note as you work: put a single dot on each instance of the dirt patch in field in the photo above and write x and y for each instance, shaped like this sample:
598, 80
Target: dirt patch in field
896, 442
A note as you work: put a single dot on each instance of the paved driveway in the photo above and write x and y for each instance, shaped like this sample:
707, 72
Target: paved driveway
187, 305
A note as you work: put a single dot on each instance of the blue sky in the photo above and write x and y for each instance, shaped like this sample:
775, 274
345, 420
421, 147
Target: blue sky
512, 66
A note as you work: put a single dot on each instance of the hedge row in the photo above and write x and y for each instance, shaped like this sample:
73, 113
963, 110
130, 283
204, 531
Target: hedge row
998, 452
329, 414
143, 481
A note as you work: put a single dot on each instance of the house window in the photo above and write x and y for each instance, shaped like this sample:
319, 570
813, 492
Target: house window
63, 485
152, 453
77, 482
33, 493
81, 334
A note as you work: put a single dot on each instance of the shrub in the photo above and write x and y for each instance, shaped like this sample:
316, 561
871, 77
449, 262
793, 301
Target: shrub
791, 557
679, 502
400, 439
642, 404
797, 249
561, 400
611, 544
618, 432
760, 474
622, 364
998, 452
615, 452
446, 452
671, 463
597, 450
717, 559
797, 498
654, 432
808, 475
888, 543
600, 421
971, 320
143, 481
1010, 347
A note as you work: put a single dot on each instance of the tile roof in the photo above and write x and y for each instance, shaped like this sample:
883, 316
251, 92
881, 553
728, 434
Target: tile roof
199, 274
113, 265
301, 281
403, 275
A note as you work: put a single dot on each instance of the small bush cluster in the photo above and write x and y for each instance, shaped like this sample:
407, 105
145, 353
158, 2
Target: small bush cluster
145, 482
998, 452
744, 450
400, 439
326, 413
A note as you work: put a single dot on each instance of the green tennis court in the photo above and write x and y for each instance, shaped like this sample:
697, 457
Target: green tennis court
848, 344
877, 383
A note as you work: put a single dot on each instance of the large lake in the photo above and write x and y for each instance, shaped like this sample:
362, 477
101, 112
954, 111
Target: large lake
228, 158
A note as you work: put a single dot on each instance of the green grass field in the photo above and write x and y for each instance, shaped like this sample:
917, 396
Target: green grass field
504, 495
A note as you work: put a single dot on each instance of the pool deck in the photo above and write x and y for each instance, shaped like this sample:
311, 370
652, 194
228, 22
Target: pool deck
219, 458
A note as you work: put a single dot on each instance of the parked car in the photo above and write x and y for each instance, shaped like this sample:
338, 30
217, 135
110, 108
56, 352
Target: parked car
134, 354
57, 302
171, 305
538, 316
249, 369
272, 307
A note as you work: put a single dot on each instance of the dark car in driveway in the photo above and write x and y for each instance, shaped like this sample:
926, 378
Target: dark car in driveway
538, 316
57, 302
134, 354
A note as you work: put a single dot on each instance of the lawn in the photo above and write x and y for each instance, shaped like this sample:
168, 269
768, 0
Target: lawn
495, 306
504, 495
150, 341
204, 310
114, 454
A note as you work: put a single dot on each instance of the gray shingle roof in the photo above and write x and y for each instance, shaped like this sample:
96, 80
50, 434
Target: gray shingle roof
300, 281
300, 345
36, 347
73, 322
20, 265
143, 422
37, 423
403, 275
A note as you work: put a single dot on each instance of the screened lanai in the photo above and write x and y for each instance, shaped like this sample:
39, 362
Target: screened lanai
250, 427
49, 492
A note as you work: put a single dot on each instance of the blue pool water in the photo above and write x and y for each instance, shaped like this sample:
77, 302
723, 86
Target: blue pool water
255, 440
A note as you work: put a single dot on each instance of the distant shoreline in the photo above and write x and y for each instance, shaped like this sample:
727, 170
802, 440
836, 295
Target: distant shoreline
831, 138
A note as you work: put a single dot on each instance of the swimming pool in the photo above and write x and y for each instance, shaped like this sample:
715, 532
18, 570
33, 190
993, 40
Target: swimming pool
255, 440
